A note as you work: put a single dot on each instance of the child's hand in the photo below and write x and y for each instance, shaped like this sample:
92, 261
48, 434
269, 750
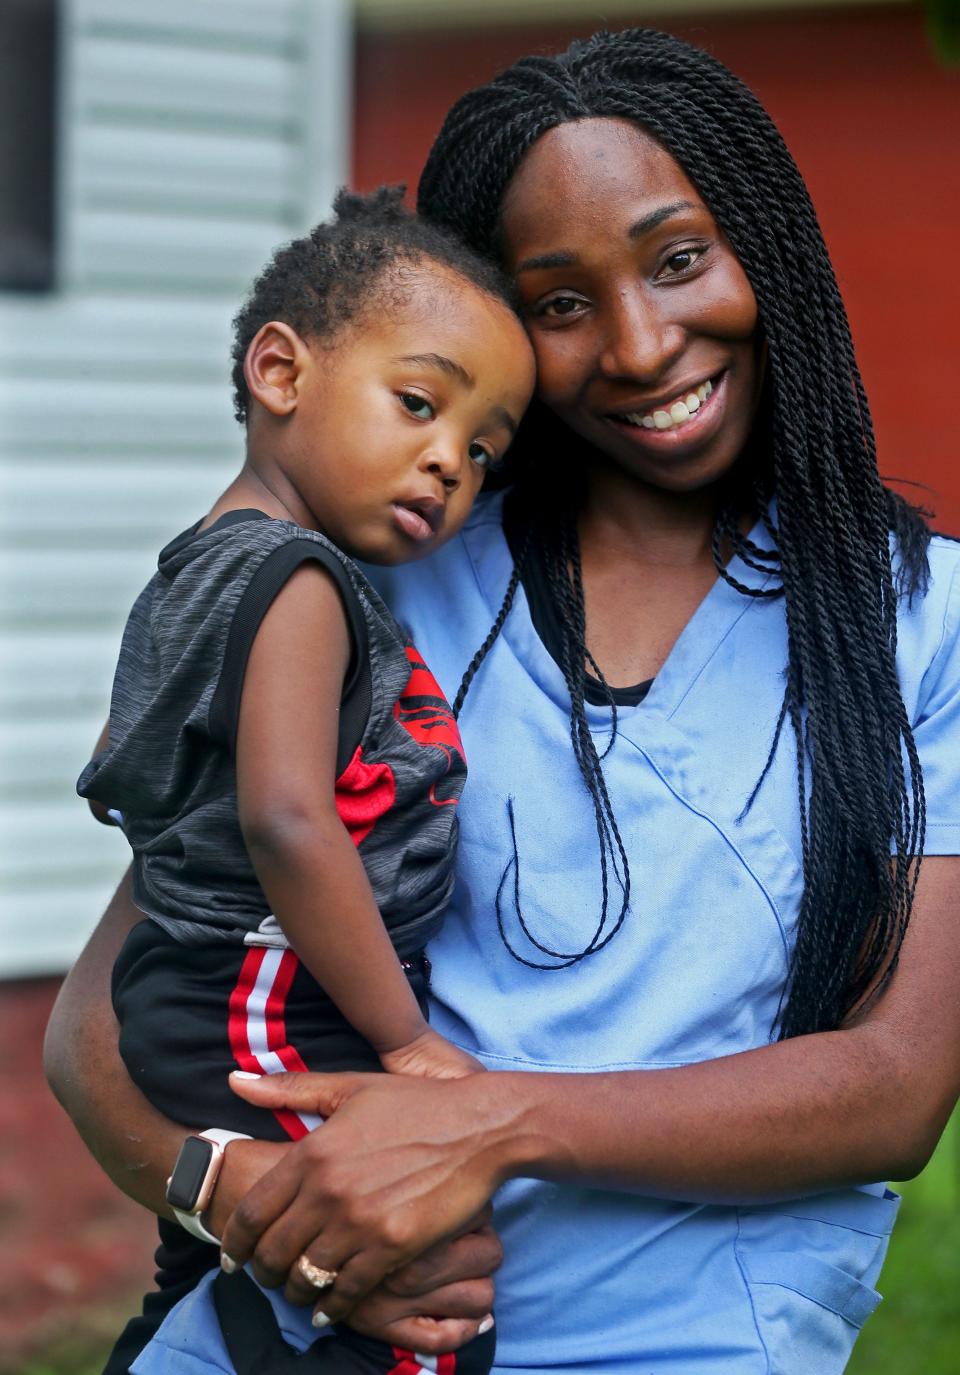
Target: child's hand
430, 1056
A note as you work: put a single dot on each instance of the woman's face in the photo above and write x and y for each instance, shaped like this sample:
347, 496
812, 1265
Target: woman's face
642, 319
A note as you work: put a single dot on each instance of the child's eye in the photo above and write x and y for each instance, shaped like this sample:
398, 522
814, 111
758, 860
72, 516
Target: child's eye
417, 405
483, 457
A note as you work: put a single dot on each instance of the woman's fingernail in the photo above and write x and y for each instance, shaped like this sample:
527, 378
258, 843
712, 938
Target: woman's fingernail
244, 1074
486, 1325
227, 1263
320, 1320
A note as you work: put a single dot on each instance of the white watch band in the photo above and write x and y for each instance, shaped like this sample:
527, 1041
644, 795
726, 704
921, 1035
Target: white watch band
221, 1137
191, 1222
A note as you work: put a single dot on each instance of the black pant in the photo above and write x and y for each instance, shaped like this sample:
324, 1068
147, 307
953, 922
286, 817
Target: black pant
190, 1015
256, 1345
250, 1329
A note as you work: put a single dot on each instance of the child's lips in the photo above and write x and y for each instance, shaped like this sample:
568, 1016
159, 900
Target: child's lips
419, 518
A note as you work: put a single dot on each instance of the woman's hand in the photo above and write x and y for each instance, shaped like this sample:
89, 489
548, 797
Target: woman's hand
404, 1163
244, 1163
453, 1278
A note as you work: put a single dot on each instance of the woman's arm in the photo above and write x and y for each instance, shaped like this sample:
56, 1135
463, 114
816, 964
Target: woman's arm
402, 1162
83, 1067
132, 1142
136, 1146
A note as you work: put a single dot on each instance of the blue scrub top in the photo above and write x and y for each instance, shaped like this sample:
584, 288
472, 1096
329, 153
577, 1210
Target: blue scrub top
597, 1281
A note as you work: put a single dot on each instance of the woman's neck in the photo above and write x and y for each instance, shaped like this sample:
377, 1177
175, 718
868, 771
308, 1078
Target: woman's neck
624, 519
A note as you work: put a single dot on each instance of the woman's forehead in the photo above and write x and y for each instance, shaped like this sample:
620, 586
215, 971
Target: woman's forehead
602, 173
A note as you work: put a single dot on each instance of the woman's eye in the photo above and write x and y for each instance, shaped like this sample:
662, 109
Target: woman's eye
483, 457
417, 405
559, 306
681, 261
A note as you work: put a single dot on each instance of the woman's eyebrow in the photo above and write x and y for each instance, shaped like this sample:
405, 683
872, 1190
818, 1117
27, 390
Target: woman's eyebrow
656, 217
565, 257
438, 360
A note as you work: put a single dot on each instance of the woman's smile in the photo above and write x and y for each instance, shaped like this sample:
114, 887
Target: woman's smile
642, 319
687, 415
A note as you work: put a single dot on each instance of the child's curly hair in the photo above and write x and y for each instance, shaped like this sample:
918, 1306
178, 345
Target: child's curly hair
320, 282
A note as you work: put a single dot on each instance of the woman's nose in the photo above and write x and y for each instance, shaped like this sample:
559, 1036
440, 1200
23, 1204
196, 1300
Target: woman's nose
642, 340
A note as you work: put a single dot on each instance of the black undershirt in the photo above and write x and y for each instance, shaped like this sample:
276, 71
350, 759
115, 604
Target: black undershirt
543, 611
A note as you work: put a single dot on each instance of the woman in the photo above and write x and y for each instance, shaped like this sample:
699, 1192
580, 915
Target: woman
706, 900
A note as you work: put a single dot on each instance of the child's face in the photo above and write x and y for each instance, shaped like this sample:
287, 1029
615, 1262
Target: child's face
396, 424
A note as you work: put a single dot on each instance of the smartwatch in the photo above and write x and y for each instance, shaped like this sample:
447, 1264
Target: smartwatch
190, 1186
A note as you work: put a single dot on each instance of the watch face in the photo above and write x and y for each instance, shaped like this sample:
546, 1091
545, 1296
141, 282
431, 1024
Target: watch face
189, 1173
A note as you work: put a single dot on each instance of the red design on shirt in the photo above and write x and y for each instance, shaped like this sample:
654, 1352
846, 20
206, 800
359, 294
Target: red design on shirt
425, 715
408, 1363
364, 793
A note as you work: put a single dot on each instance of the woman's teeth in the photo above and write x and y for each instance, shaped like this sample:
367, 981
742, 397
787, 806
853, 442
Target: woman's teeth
674, 415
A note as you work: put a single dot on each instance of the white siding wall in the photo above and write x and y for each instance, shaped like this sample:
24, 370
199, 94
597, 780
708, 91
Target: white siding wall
195, 136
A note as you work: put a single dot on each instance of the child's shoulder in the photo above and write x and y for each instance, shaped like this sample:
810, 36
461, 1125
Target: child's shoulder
230, 536
233, 549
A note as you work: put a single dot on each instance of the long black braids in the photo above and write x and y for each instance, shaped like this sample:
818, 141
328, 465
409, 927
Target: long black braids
859, 783
551, 525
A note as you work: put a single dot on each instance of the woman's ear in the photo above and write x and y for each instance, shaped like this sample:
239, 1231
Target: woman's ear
274, 366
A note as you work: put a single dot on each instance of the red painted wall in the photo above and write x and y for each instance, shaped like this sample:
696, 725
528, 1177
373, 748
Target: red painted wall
873, 121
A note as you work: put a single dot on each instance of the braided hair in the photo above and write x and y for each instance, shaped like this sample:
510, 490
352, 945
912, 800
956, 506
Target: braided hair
858, 778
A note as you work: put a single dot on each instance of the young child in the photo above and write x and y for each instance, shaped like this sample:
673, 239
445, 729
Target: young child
285, 765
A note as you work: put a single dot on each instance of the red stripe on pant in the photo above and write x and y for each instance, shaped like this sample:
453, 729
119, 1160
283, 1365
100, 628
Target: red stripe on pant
275, 1025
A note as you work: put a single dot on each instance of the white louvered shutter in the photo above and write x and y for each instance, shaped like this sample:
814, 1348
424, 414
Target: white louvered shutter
195, 136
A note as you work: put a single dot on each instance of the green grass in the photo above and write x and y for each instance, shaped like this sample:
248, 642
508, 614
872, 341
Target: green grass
917, 1327
69, 1361
915, 1331
67, 1365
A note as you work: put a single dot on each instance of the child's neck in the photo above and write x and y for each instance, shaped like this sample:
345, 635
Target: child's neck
271, 493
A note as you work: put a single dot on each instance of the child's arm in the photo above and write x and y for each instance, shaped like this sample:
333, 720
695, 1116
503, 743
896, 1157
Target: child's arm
304, 857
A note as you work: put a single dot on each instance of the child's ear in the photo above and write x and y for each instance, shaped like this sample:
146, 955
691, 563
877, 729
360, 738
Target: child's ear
274, 366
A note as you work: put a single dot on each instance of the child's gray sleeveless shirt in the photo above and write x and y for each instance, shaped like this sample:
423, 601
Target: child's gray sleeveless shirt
169, 767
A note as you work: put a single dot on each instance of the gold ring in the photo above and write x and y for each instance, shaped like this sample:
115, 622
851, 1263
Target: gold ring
315, 1275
